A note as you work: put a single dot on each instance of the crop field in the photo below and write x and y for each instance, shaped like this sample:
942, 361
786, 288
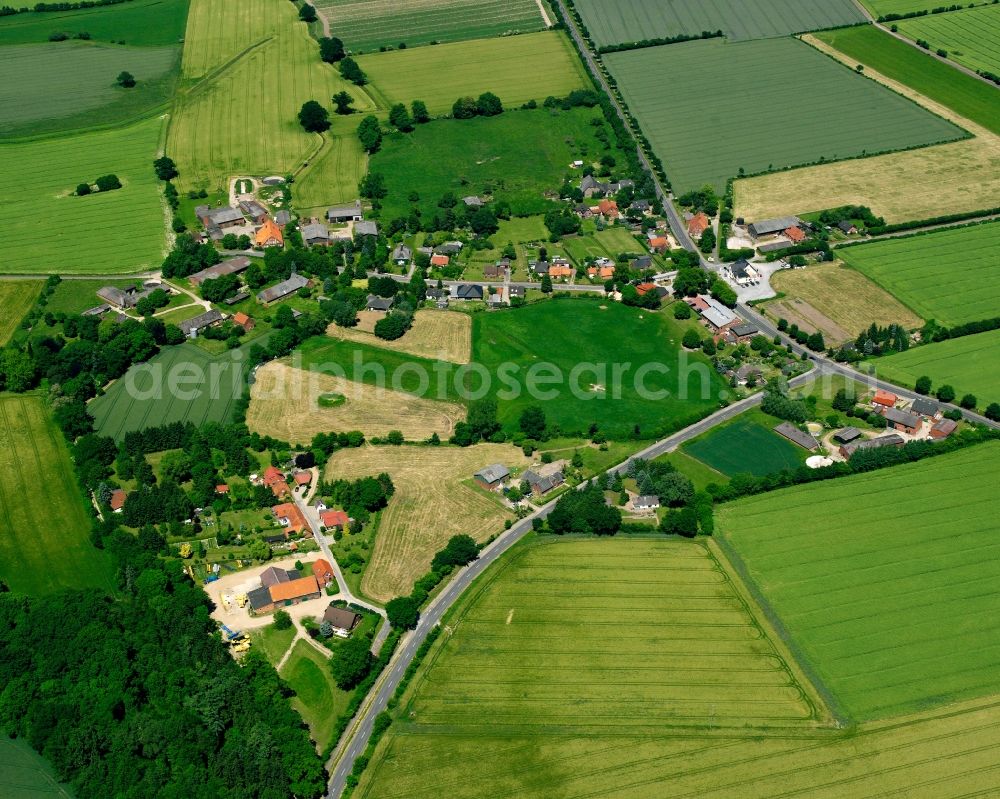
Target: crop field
317, 698
285, 404
440, 75
367, 25
971, 364
847, 115
24, 774
333, 175
885, 585
850, 301
636, 20
162, 390
16, 299
44, 545
971, 36
209, 45
139, 23
434, 500
571, 335
446, 335
746, 446
946, 754
54, 86
883, 7
118, 231
909, 267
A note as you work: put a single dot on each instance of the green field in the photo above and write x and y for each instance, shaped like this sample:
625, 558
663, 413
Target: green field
50, 230
968, 96
607, 243
76, 296
140, 23
56, 86
883, 7
970, 364
568, 333
24, 774
911, 268
367, 25
517, 156
440, 75
16, 299
885, 583
333, 175
700, 474
44, 523
143, 396
636, 20
971, 36
707, 137
317, 698
746, 445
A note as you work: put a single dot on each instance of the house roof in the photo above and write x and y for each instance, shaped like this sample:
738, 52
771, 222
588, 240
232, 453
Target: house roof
644, 288
334, 518
847, 434
315, 230
272, 474
469, 291
283, 217
884, 398
715, 313
493, 473
795, 234
377, 303
796, 436
642, 262
607, 207
196, 323
945, 427
274, 574
303, 478
294, 589
269, 231
222, 488
259, 598
238, 297
546, 484
401, 253
365, 228
224, 215
117, 501
344, 211
697, 224
253, 208
646, 500
240, 318
744, 329
322, 568
925, 407
739, 269
227, 267
291, 512
846, 226
891, 440
472, 201
341, 618
774, 246
439, 259
905, 418
283, 289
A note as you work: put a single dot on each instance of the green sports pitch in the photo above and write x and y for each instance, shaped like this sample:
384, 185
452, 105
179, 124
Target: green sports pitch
713, 109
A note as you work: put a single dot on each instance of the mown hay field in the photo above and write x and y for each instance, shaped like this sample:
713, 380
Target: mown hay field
636, 20
965, 175
440, 75
285, 404
746, 445
434, 500
971, 36
847, 115
366, 25
885, 581
911, 267
140, 23
44, 523
435, 334
971, 364
51, 230
16, 299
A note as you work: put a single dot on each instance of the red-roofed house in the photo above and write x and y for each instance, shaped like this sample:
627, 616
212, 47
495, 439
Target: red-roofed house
334, 518
222, 488
244, 321
608, 208
290, 517
274, 479
697, 225
440, 260
302, 478
604, 272
560, 270
323, 572
697, 303
117, 501
269, 235
643, 288
795, 234
885, 398
659, 244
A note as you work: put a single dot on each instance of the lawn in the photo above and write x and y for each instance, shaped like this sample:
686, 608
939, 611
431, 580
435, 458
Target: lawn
76, 296
434, 500
608, 243
847, 115
701, 474
49, 229
139, 23
635, 20
971, 36
971, 98
909, 268
586, 343
24, 774
273, 643
746, 445
180, 384
44, 522
16, 298
885, 585
317, 698
970, 364
440, 75
516, 156
367, 25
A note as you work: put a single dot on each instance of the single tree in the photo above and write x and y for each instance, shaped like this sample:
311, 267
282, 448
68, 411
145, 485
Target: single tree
691, 339
546, 284
923, 385
968, 402
342, 100
350, 70
532, 422
489, 105
399, 118
331, 49
83, 189
946, 393
108, 183
125, 79
464, 108
403, 613
281, 620
165, 168
351, 662
370, 134
418, 108
313, 117
307, 13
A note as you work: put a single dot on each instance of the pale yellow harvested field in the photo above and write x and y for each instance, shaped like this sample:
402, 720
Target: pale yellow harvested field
431, 504
917, 184
442, 335
284, 403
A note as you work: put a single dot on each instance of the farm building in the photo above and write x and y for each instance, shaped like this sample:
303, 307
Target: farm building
770, 227
190, 327
402, 255
449, 248
773, 246
473, 202
943, 428
903, 421
282, 218
283, 594
219, 217
891, 440
273, 575
492, 477
254, 211
268, 235
847, 227
244, 321
376, 303
290, 517
744, 331
541, 484
316, 234
646, 502
846, 435
885, 399
716, 315
796, 436
334, 519
282, 289
342, 620
640, 206
744, 272
238, 297
365, 228
127, 297
795, 234
345, 213
117, 501
322, 571
232, 266
926, 407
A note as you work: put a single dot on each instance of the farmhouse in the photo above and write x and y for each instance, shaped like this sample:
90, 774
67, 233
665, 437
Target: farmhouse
846, 435
345, 213
290, 517
744, 273
219, 217
268, 235
439, 259
273, 575
232, 266
846, 227
302, 478
560, 270
646, 502
747, 372
467, 291
127, 297
244, 321
364, 228
316, 234
697, 225
375, 303
891, 440
608, 209
342, 620
254, 210
492, 477
541, 484
641, 263
927, 408
274, 479
885, 399
283, 594
334, 519
117, 501
282, 290
640, 206
903, 421
603, 272
769, 227
322, 571
190, 327
498, 269
796, 436
943, 428
402, 255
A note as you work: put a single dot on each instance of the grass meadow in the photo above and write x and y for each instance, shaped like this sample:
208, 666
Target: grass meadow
440, 75
24, 774
50, 230
971, 36
317, 698
366, 25
746, 445
44, 523
517, 156
76, 296
59, 85
635, 20
884, 582
910, 267
16, 299
847, 115
970, 364
140, 23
